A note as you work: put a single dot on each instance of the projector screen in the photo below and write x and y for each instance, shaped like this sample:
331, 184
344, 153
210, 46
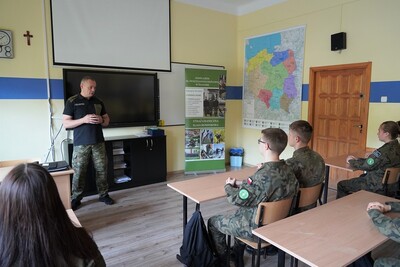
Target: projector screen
124, 34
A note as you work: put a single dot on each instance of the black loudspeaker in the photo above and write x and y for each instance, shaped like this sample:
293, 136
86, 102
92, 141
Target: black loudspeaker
338, 41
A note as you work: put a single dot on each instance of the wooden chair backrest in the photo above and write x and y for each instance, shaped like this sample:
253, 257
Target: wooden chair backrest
391, 176
270, 212
15, 162
309, 195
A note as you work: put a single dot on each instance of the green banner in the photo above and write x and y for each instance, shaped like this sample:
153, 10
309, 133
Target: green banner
205, 95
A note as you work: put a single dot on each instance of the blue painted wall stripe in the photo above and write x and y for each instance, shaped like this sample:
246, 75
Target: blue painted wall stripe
389, 89
30, 88
33, 88
234, 92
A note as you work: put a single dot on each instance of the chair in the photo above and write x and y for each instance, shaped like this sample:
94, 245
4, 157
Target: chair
305, 198
391, 177
9, 163
308, 196
267, 212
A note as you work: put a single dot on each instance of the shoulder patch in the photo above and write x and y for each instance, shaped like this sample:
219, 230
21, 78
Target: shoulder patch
243, 194
376, 153
370, 161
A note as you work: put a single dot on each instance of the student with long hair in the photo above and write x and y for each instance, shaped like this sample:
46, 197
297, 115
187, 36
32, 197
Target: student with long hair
35, 229
387, 156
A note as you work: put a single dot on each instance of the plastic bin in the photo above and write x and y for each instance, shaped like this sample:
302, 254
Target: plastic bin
236, 156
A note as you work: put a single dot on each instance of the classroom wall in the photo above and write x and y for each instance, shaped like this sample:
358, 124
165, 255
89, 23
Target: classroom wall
198, 36
373, 34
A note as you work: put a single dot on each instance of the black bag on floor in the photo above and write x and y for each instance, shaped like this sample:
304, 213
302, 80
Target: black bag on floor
196, 249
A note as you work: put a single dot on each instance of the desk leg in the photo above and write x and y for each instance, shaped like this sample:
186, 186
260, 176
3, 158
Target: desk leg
326, 185
281, 258
184, 215
184, 208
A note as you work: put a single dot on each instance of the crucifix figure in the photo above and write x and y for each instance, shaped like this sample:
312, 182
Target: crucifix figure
28, 37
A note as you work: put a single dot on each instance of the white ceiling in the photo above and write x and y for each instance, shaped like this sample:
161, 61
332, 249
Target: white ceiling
235, 7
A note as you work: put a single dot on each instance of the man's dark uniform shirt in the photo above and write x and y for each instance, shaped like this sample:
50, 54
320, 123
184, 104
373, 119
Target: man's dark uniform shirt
78, 107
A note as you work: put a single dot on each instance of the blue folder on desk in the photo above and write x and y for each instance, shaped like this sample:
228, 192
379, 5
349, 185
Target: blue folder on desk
55, 166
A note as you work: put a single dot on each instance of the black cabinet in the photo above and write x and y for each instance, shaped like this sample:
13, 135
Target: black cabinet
131, 162
148, 160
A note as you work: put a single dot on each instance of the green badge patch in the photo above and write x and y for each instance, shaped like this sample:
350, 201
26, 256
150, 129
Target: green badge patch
370, 161
244, 194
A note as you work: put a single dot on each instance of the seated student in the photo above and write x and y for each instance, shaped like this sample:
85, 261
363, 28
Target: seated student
375, 164
387, 226
35, 229
308, 165
273, 181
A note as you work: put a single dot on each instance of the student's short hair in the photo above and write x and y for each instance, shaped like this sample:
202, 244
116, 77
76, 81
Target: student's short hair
303, 129
392, 128
276, 138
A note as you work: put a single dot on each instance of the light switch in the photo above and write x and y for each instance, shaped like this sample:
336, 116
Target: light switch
383, 98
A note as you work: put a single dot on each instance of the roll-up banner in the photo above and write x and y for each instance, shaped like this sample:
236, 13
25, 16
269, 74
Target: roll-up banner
205, 95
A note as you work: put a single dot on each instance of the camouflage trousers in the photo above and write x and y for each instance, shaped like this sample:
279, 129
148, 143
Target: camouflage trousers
219, 226
387, 262
347, 187
80, 160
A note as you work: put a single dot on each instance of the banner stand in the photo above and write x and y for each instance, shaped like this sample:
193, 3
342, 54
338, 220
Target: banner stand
205, 95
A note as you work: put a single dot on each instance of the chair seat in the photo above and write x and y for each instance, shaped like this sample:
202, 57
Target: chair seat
253, 244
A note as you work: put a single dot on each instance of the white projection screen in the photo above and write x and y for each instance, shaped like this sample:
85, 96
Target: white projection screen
127, 34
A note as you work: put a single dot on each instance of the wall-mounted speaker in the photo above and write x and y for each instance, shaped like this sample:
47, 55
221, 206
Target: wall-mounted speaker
338, 41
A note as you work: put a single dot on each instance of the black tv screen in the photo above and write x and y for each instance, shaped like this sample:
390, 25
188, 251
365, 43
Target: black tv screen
131, 99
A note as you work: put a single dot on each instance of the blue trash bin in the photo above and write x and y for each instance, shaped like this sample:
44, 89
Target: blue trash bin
236, 156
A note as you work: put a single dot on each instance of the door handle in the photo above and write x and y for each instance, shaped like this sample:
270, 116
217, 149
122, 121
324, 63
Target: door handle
359, 126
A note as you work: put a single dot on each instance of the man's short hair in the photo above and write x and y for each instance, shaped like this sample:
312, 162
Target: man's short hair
276, 138
303, 129
87, 78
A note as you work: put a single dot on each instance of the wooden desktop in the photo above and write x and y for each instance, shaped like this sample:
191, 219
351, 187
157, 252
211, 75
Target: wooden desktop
334, 234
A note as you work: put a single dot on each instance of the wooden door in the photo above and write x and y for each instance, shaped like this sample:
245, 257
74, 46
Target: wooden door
338, 111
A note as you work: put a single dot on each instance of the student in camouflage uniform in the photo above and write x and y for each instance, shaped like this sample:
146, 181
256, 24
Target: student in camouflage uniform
387, 226
273, 181
307, 165
375, 164
87, 115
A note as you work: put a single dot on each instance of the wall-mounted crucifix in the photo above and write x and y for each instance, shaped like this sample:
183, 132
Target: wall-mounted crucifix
28, 37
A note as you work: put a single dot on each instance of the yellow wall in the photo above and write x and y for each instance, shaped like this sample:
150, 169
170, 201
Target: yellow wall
205, 37
198, 36
373, 34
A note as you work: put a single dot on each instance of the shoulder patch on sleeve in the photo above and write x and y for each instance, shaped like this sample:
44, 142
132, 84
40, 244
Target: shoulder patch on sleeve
370, 161
376, 153
243, 194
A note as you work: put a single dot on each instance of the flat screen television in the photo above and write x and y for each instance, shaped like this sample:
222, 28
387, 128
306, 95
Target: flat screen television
131, 99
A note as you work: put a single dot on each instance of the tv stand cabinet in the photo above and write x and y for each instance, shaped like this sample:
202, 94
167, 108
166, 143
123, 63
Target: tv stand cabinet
132, 161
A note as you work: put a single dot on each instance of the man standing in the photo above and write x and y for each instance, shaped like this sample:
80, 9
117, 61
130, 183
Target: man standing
86, 114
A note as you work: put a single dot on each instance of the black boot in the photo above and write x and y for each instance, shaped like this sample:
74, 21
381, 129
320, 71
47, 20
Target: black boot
222, 261
238, 252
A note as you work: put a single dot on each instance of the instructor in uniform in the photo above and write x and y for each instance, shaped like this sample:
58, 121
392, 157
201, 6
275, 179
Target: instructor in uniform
86, 114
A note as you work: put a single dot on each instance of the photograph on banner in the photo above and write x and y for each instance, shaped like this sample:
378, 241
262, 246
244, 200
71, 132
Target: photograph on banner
204, 144
192, 144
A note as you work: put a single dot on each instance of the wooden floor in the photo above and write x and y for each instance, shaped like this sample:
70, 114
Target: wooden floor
144, 226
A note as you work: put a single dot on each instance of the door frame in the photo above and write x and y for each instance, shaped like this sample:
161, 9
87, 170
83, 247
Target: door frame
367, 66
